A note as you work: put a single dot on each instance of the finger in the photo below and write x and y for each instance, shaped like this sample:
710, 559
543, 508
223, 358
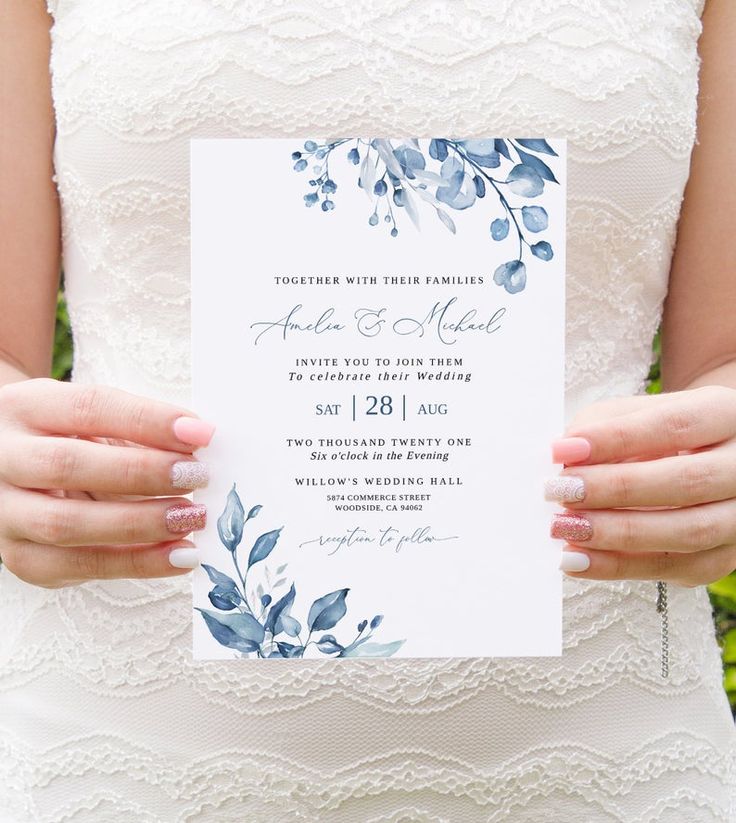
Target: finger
59, 521
58, 407
675, 422
40, 462
611, 407
681, 480
691, 529
55, 566
695, 569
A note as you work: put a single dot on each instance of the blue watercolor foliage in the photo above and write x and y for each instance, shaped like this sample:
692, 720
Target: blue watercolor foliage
259, 622
447, 175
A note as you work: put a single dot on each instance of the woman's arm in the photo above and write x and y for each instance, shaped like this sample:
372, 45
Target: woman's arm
29, 206
52, 456
699, 319
649, 484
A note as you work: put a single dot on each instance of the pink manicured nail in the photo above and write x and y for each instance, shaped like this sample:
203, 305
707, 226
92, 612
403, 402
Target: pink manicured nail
184, 517
193, 431
570, 450
573, 527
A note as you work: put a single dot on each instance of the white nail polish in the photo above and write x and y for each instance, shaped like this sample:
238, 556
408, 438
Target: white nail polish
566, 488
574, 561
184, 558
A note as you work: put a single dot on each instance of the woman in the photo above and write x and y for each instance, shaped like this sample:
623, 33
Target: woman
103, 715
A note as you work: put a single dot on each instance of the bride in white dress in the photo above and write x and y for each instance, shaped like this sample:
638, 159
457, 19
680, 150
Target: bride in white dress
103, 715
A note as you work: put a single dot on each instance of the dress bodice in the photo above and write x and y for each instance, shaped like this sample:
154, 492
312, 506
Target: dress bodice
133, 729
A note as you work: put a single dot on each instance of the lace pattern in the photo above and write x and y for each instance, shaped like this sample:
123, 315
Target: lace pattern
103, 716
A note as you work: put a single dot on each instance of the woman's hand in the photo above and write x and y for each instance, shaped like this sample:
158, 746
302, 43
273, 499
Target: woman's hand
79, 465
649, 487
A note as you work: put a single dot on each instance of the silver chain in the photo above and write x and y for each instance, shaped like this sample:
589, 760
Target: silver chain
662, 609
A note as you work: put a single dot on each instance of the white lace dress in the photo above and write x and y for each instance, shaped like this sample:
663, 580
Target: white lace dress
103, 716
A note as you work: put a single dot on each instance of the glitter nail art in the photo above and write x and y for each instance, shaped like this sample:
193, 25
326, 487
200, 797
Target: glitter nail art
189, 474
184, 517
573, 527
566, 488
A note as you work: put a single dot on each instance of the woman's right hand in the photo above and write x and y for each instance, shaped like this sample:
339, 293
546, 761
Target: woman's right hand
75, 506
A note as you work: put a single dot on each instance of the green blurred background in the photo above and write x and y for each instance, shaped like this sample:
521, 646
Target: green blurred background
722, 592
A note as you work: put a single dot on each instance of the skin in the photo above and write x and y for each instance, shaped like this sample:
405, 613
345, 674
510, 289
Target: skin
661, 476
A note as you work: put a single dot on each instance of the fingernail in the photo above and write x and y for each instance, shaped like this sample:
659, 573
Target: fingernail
574, 561
570, 450
184, 558
189, 474
193, 431
566, 488
184, 517
573, 527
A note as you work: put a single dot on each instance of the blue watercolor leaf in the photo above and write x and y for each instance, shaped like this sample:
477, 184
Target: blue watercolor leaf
280, 607
446, 219
511, 275
538, 165
253, 512
376, 622
449, 168
372, 649
290, 625
218, 578
542, 250
327, 644
459, 190
235, 631
290, 650
537, 145
438, 149
230, 522
225, 597
263, 546
482, 152
525, 181
499, 228
502, 148
409, 159
535, 218
326, 611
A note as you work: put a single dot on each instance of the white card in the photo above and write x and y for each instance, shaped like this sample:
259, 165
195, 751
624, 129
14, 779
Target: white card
386, 379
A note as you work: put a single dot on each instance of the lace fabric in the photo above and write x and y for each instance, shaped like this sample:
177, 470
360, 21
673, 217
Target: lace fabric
103, 715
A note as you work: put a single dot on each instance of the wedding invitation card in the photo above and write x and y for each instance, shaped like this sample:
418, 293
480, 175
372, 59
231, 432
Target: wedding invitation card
378, 335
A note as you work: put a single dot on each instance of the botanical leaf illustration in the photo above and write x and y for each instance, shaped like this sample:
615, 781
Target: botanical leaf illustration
263, 546
250, 621
230, 522
327, 611
236, 631
398, 177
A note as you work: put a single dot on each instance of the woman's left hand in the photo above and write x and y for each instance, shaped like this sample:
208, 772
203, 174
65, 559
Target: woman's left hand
653, 496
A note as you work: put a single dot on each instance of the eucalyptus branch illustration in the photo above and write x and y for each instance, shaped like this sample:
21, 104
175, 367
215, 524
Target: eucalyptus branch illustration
271, 632
443, 173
